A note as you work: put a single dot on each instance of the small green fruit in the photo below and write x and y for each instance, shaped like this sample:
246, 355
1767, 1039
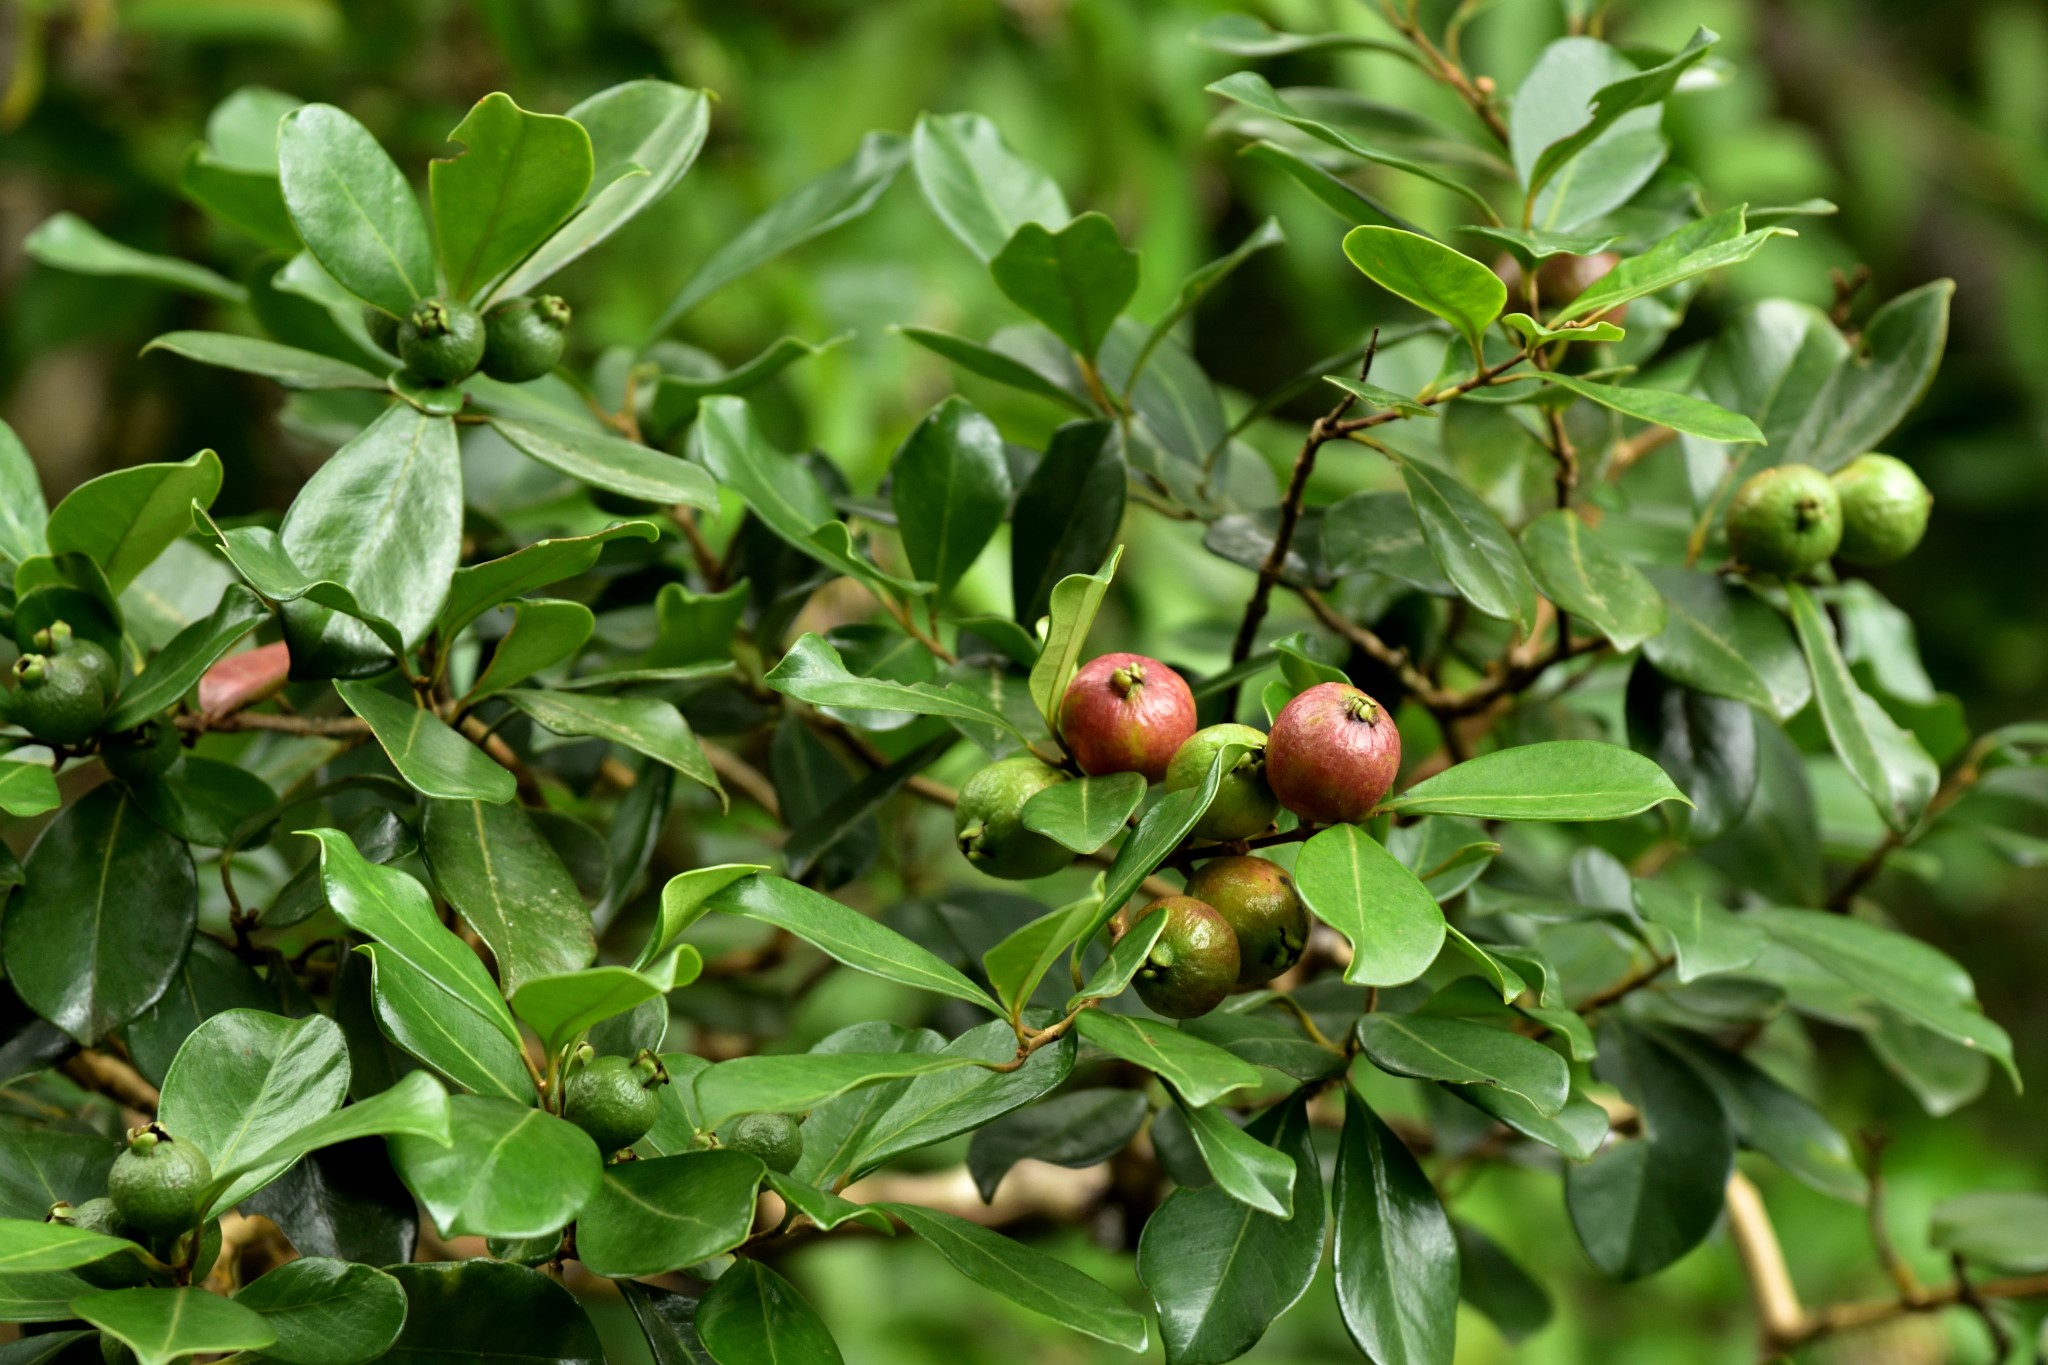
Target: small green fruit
94, 1215
775, 1138
56, 638
1257, 900
441, 340
988, 820
1195, 962
156, 1184
1884, 510
613, 1099
1785, 520
524, 337
1244, 804
141, 753
382, 327
56, 698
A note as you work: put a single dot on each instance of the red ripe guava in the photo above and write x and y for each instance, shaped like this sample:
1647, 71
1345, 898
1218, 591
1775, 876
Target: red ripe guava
1125, 713
1332, 754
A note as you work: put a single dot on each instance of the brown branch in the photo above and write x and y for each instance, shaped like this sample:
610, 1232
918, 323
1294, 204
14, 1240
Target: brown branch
1952, 789
1771, 1291
1626, 453
1628, 985
1442, 68
325, 727
502, 754
108, 1075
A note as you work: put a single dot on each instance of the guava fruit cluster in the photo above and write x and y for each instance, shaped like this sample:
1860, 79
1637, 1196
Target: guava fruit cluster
1790, 519
444, 341
63, 687
1330, 758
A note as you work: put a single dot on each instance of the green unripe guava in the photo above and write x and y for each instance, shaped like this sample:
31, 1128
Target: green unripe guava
1193, 965
775, 1138
145, 752
157, 1183
441, 340
1244, 804
56, 698
57, 639
1884, 510
1784, 520
988, 820
94, 1215
382, 327
613, 1099
1258, 901
524, 337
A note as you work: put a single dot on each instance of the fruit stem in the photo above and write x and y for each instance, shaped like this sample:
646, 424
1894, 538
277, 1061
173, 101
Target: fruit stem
1362, 707
1126, 678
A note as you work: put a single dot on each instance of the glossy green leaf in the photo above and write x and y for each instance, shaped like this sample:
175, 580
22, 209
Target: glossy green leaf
416, 1106
543, 633
837, 197
795, 1083
1031, 1279
649, 1217
1873, 387
1075, 1129
1477, 553
1566, 779
353, 208
611, 463
1706, 937
1772, 1119
977, 186
1884, 758
1378, 531
28, 1245
1086, 813
503, 877
1641, 1204
1430, 275
561, 1006
518, 175
646, 725
825, 1209
477, 588
256, 555
1160, 831
950, 486
97, 934
1996, 1229
1202, 1072
432, 758
1721, 639
1072, 607
1708, 746
1020, 961
1680, 412
23, 513
1540, 156
163, 1325
176, 669
326, 1312
64, 241
1439, 1048
846, 935
1397, 1261
460, 1043
511, 1171
685, 899
677, 395
644, 137
245, 1081
1075, 281
1534, 333
288, 365
752, 1316
1575, 569
990, 363
945, 1103
813, 671
1373, 396
240, 196
1244, 35
27, 789
1243, 1167
1114, 976
460, 1310
1363, 892
1220, 1271
1706, 244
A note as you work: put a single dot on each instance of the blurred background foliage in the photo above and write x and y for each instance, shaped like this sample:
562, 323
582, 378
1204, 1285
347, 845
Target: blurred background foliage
1927, 124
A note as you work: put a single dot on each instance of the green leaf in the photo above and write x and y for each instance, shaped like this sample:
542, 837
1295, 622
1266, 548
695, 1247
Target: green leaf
977, 186
649, 1217
416, 1106
1067, 515
1020, 961
950, 486
946, 1103
288, 365
503, 877
1397, 1260
27, 789
1086, 813
1220, 1271
1430, 275
519, 174
1566, 779
325, 1311
1706, 244
1577, 570
1539, 155
1378, 531
1535, 334
990, 363
1243, 1167
798, 1082
383, 518
245, 199
676, 396
1721, 639
1160, 831
752, 1316
511, 1171
644, 137
463, 1310
64, 241
1197, 285
1680, 412
1708, 745
163, 1325
1074, 602
1707, 938
685, 899
1373, 396
1255, 92
176, 669
611, 463
43, 1297
1202, 1072
1363, 892
1639, 1205
433, 759
245, 1081
846, 935
1440, 1048
1498, 1287
98, 932
1338, 195
1031, 1279
1243, 35
544, 632
1997, 1229
1076, 1129
1885, 759
812, 671
28, 1245
1774, 1120
646, 725
562, 1006
825, 1209
1477, 553
23, 513
125, 519
1873, 387
1075, 281
476, 589
1113, 977
353, 209
422, 1019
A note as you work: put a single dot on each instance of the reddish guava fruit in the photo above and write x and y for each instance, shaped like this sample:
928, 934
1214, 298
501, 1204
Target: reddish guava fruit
1257, 900
1193, 965
1125, 713
1559, 280
1332, 754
